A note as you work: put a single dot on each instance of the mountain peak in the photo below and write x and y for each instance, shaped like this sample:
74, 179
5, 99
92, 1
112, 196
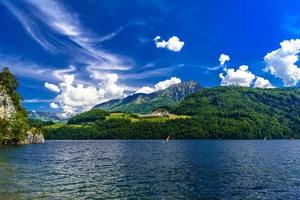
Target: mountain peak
146, 103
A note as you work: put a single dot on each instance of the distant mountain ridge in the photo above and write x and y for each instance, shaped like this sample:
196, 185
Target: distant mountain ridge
44, 116
146, 103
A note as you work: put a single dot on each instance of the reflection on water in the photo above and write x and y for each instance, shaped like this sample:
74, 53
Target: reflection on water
151, 169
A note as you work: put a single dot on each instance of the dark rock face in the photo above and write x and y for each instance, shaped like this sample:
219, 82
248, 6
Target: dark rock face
179, 91
146, 103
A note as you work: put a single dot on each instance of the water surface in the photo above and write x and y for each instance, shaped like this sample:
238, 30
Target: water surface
151, 169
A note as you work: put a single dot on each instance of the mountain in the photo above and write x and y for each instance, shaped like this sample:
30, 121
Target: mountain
146, 103
44, 116
238, 112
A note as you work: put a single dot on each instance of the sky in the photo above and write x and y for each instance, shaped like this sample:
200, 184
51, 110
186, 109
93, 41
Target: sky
71, 55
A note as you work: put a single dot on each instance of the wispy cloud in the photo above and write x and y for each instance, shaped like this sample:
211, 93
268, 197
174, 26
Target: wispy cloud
29, 25
24, 68
37, 100
59, 74
61, 21
214, 68
110, 35
149, 73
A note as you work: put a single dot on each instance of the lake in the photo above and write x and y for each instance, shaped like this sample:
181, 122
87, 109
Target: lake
151, 169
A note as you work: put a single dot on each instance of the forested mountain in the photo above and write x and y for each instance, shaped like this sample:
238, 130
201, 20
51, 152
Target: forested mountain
245, 112
146, 103
211, 113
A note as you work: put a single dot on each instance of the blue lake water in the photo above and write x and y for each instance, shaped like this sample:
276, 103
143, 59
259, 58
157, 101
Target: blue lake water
151, 169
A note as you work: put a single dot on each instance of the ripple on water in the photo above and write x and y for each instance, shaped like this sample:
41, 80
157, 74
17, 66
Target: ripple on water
138, 169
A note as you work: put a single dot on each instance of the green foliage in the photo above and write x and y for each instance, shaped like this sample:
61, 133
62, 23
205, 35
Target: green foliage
125, 129
4, 130
39, 123
89, 116
9, 82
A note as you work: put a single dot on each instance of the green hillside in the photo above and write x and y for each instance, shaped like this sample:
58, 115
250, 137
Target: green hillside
245, 112
99, 124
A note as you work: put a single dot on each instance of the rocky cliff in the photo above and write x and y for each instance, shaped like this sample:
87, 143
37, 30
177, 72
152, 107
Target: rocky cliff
34, 136
7, 108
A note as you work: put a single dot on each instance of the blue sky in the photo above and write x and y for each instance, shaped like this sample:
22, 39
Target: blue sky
77, 53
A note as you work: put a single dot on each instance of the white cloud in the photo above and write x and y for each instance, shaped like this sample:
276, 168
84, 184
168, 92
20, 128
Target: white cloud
75, 98
223, 59
240, 77
145, 90
173, 44
167, 83
282, 62
53, 105
52, 87
159, 86
262, 83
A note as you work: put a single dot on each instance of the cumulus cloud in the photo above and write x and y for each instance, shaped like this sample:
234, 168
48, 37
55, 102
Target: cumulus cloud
167, 83
52, 87
53, 105
243, 77
173, 44
240, 77
223, 59
262, 83
282, 62
145, 90
75, 98
160, 85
